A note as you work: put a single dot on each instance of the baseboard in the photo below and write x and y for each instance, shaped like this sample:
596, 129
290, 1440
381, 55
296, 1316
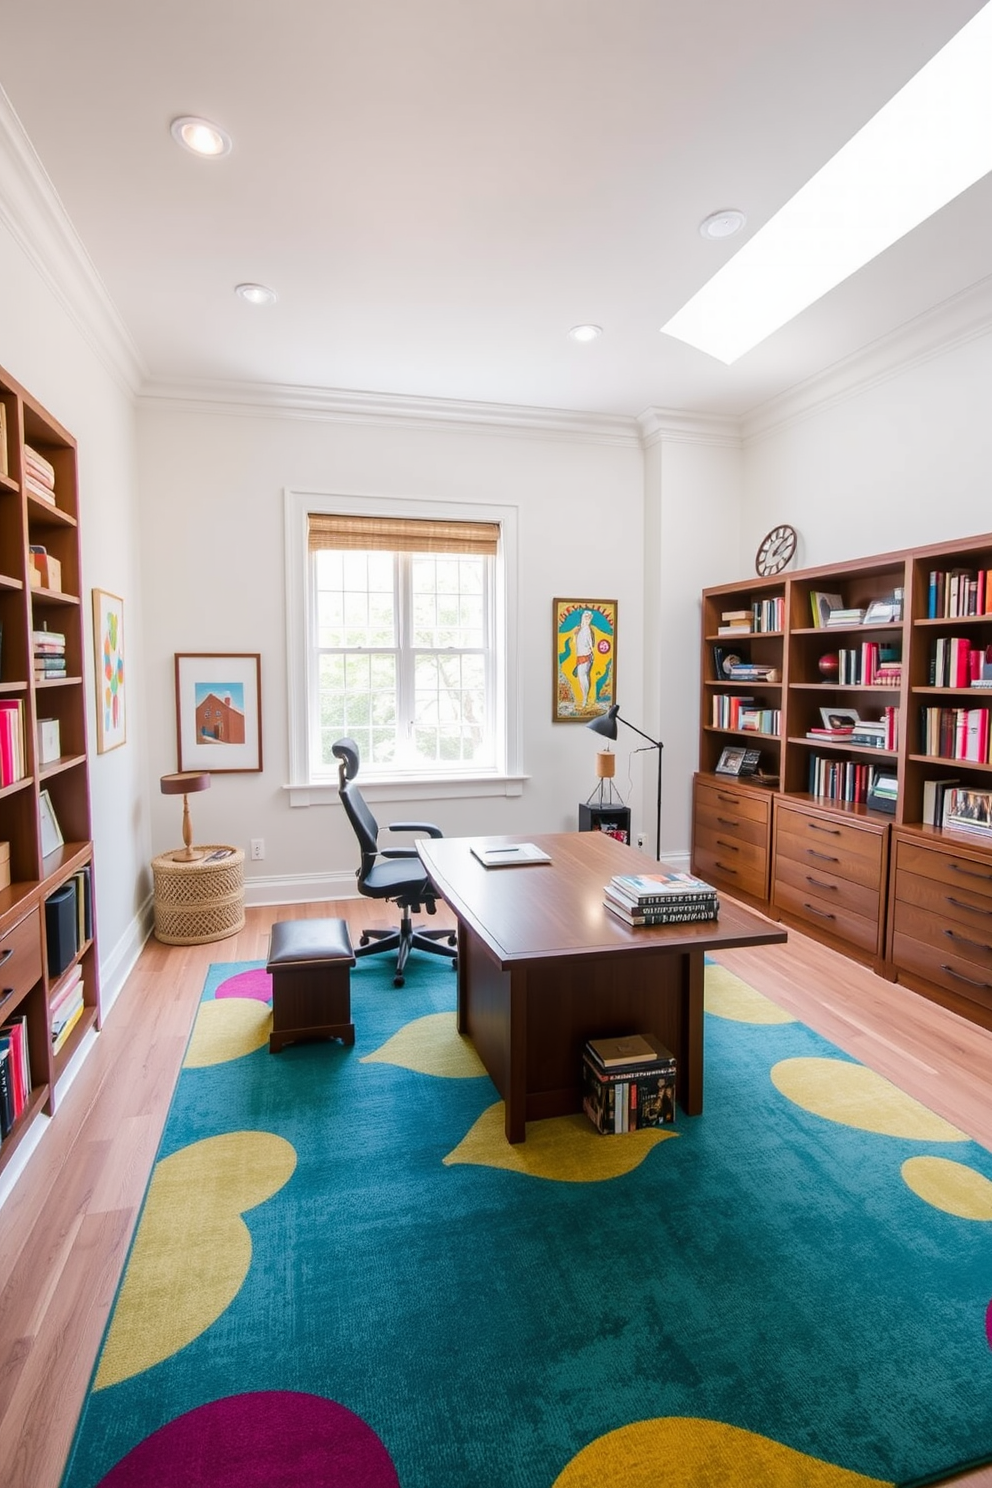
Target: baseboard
290, 888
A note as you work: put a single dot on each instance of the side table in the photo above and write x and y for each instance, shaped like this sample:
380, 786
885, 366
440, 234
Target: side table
200, 900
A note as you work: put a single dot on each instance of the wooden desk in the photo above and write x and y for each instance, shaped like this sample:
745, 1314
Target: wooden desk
543, 966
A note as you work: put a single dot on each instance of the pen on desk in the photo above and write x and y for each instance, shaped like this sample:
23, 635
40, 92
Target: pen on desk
500, 849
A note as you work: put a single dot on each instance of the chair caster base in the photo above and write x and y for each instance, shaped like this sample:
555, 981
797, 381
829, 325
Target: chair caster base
398, 981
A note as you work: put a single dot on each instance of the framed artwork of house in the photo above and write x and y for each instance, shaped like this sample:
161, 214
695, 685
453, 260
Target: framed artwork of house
219, 711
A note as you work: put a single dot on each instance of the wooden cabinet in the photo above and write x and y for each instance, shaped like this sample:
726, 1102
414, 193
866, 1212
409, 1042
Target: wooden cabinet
911, 639
830, 875
732, 836
41, 594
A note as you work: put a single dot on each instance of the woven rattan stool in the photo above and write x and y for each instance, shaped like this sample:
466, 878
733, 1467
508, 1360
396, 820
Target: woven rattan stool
200, 900
310, 964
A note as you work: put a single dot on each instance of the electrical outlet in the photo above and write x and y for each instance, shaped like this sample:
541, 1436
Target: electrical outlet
257, 848
640, 839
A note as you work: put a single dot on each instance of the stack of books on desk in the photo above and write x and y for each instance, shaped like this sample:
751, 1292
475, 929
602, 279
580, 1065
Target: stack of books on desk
628, 1083
660, 898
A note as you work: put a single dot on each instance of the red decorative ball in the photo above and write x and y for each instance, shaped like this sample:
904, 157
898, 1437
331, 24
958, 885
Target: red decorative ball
829, 666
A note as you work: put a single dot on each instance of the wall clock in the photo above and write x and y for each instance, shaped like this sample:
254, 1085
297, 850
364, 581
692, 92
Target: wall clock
775, 550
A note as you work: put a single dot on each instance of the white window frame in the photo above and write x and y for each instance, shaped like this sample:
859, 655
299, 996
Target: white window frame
505, 779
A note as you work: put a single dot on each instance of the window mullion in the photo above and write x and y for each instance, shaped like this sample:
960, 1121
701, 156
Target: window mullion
404, 660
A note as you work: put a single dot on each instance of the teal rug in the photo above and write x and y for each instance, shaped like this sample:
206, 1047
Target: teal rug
345, 1278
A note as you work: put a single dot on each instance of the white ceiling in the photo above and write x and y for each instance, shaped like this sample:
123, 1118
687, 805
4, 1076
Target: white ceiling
438, 189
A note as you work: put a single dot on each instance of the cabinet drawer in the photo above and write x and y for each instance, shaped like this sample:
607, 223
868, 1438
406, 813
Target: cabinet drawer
727, 822
974, 879
953, 973
20, 958
743, 852
719, 868
944, 901
839, 849
819, 911
717, 798
807, 879
969, 939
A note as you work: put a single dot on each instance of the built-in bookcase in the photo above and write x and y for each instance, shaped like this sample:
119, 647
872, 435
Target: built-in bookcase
33, 517
852, 855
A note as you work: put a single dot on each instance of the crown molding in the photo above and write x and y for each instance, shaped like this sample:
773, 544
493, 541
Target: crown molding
33, 215
964, 317
330, 405
676, 426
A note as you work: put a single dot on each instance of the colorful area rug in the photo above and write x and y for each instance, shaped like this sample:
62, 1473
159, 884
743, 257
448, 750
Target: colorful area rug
345, 1278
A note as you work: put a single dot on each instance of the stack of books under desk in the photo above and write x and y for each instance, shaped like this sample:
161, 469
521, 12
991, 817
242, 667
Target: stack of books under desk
628, 1083
660, 898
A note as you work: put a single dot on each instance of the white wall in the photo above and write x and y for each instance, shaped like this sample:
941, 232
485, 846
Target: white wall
53, 354
211, 483
904, 461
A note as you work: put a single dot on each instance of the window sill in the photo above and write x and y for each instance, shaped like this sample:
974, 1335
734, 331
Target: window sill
442, 788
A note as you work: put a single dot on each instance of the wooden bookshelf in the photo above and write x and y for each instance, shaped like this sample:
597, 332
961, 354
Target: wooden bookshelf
874, 884
30, 984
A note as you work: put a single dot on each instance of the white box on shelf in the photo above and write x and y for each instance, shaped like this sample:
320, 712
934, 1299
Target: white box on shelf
49, 745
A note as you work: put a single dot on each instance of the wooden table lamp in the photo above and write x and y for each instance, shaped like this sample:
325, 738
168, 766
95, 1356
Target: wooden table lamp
183, 784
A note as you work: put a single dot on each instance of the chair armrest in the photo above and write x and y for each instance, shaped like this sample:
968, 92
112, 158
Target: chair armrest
398, 852
428, 827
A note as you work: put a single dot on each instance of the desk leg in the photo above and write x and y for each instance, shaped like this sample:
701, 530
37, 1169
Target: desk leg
461, 1015
690, 1073
516, 1081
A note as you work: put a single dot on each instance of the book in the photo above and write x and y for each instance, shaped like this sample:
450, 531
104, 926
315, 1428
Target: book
634, 1049
822, 604
60, 1039
662, 905
639, 1099
687, 914
514, 855
660, 888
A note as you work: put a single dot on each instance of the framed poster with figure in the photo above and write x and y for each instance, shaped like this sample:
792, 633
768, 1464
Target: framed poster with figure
585, 642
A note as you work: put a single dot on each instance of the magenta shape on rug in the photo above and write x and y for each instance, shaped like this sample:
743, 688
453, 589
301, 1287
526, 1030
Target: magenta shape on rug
254, 983
266, 1439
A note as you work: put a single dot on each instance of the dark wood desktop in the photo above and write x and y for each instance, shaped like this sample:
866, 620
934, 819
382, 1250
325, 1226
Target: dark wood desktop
543, 966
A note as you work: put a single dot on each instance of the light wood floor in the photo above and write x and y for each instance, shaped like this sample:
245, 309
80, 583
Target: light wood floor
66, 1224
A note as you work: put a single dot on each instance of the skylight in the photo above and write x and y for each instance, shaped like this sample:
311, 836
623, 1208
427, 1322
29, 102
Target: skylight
928, 144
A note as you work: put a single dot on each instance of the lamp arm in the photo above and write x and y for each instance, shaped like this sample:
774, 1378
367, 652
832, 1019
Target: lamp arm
655, 742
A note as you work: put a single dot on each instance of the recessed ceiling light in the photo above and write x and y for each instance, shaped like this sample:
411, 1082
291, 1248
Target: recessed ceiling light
722, 224
925, 147
585, 332
200, 137
256, 294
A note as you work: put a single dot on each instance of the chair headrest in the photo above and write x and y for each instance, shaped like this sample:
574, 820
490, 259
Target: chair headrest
346, 751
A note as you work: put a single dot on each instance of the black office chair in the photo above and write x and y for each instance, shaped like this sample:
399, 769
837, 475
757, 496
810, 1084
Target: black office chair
394, 873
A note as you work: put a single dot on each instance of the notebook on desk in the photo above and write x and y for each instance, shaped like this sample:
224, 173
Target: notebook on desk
512, 856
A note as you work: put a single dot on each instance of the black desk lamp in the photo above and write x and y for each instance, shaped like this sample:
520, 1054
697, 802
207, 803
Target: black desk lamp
607, 726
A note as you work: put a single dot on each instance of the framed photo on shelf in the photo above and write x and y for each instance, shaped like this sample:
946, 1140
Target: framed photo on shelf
735, 760
835, 718
108, 644
51, 832
219, 711
585, 642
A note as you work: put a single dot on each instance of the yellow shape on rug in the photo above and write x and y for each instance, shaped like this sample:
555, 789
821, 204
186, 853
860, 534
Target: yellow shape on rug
567, 1149
728, 997
853, 1095
684, 1452
226, 1028
192, 1250
950, 1186
432, 1046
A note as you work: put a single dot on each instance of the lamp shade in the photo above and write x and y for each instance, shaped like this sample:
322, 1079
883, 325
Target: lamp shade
606, 724
185, 782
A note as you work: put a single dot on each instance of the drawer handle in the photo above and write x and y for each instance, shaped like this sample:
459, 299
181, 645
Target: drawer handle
971, 983
726, 822
963, 940
731, 845
823, 913
959, 904
6, 955
815, 827
818, 885
721, 797
811, 853
6, 995
969, 872
726, 867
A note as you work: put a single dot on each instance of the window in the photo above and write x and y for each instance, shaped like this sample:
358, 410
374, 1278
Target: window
403, 630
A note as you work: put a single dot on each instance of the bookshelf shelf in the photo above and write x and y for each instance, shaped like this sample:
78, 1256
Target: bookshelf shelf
40, 453
889, 856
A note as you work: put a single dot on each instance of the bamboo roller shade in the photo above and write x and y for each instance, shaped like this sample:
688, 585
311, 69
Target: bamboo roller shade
402, 535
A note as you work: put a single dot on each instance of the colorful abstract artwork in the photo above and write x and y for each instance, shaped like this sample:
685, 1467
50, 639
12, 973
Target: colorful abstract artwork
585, 639
108, 642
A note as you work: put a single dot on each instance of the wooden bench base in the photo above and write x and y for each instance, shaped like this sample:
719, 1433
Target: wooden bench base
310, 964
